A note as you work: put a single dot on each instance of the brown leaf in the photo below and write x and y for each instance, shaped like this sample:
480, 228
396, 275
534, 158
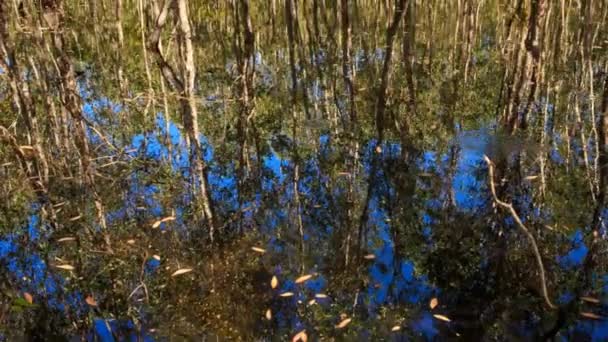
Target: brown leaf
433, 303
258, 249
181, 271
65, 267
91, 301
303, 278
300, 337
590, 315
344, 323
590, 300
131, 242
157, 224
274, 282
442, 318
28, 297
66, 239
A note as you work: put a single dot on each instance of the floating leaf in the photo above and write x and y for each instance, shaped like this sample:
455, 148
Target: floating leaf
433, 303
590, 300
301, 336
268, 314
442, 318
590, 315
157, 257
303, 278
274, 282
91, 301
65, 267
66, 239
258, 249
369, 257
321, 295
344, 323
181, 271
396, 328
28, 297
163, 220
286, 294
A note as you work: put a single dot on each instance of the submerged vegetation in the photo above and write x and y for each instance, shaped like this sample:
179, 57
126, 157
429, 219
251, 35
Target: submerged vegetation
303, 169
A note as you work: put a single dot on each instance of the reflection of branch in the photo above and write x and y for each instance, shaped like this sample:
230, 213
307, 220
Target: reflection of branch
520, 224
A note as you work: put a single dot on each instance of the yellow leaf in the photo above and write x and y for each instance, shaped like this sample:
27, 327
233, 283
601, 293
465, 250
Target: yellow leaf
157, 257
181, 271
286, 294
65, 267
258, 249
442, 318
303, 278
91, 301
300, 337
433, 304
321, 295
590, 315
369, 257
66, 239
274, 282
396, 328
343, 323
28, 297
590, 300
268, 314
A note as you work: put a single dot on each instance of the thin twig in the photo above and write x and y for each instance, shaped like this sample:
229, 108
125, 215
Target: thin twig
522, 226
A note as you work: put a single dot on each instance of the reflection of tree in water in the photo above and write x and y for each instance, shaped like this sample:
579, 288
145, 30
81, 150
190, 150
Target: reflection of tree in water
162, 161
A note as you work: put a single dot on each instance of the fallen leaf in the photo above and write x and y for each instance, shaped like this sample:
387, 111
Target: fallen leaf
274, 282
66, 239
369, 257
396, 328
590, 315
303, 278
181, 271
590, 300
530, 178
312, 302
301, 336
258, 249
72, 219
442, 318
286, 294
131, 242
433, 303
343, 323
163, 220
378, 149
65, 267
28, 297
321, 295
268, 314
157, 257
91, 301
